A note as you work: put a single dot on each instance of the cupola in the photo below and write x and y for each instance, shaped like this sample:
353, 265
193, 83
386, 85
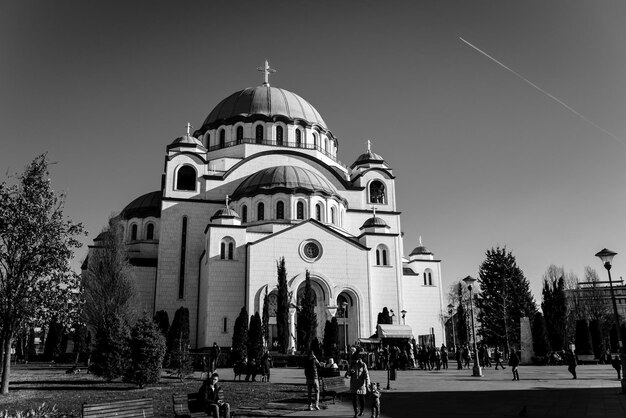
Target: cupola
421, 252
226, 215
375, 224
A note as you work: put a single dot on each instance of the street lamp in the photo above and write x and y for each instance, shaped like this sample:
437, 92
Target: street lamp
392, 315
477, 372
403, 312
450, 312
344, 311
607, 257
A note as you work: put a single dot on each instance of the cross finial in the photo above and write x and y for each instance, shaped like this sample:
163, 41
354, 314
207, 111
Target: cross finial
188, 126
421, 241
227, 200
369, 146
266, 72
374, 211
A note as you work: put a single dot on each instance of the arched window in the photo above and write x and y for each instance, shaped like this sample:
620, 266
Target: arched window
318, 212
239, 134
186, 179
227, 249
279, 135
300, 210
314, 141
133, 232
223, 250
208, 140
298, 138
280, 210
326, 145
260, 211
244, 214
428, 277
231, 250
343, 306
272, 304
222, 138
333, 215
377, 192
150, 232
382, 255
259, 134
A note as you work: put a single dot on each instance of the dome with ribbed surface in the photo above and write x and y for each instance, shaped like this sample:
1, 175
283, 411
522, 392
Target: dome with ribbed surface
375, 222
368, 157
144, 206
285, 179
225, 213
421, 250
187, 140
266, 101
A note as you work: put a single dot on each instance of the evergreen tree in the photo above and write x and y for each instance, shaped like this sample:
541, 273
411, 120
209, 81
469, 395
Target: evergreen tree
554, 306
462, 324
307, 318
583, 338
239, 348
266, 319
316, 347
147, 350
53, 345
162, 320
178, 343
282, 307
541, 345
503, 300
82, 341
331, 338
111, 351
255, 338
597, 340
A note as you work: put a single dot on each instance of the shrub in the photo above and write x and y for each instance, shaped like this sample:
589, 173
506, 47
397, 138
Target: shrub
147, 349
178, 343
110, 357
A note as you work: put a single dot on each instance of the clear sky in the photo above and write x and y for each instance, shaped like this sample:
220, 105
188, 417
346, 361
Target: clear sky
481, 157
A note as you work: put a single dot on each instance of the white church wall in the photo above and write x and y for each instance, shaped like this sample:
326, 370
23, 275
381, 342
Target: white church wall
144, 278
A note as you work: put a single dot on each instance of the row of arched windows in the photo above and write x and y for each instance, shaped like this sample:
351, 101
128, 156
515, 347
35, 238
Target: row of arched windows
382, 255
149, 232
259, 136
227, 249
428, 277
280, 212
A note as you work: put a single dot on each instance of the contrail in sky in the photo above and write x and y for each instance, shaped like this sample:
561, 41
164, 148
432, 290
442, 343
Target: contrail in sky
556, 99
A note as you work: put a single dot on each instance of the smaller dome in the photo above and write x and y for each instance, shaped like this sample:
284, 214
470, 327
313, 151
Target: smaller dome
144, 206
368, 157
374, 222
421, 250
225, 213
186, 141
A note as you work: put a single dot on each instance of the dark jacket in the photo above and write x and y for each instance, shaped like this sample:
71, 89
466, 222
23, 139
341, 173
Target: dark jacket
513, 360
310, 368
207, 395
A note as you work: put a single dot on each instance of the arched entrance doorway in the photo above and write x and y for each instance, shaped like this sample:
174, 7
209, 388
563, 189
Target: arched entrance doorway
321, 302
347, 319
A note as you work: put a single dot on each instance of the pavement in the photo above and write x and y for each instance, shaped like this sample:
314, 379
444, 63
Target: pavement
543, 391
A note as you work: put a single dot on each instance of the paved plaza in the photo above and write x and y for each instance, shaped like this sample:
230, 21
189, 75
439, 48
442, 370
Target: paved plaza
543, 391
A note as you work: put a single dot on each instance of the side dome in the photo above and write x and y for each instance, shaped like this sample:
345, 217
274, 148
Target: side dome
264, 100
368, 157
186, 141
421, 250
285, 179
225, 213
144, 206
374, 222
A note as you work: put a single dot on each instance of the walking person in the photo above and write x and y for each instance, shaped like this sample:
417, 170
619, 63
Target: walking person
514, 363
459, 358
444, 356
312, 381
359, 384
572, 362
214, 354
497, 357
617, 365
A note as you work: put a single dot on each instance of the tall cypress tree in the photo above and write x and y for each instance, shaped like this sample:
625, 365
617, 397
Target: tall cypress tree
240, 336
266, 319
255, 338
462, 325
583, 338
307, 318
541, 345
162, 319
503, 300
554, 306
178, 343
282, 306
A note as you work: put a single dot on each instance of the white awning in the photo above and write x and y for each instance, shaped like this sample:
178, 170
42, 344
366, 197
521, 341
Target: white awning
369, 340
394, 331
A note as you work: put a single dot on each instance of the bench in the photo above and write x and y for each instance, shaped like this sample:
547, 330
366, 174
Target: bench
332, 386
587, 359
186, 405
128, 409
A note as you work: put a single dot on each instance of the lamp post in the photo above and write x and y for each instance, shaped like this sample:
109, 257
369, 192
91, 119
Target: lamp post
607, 257
450, 312
403, 312
344, 313
392, 315
477, 372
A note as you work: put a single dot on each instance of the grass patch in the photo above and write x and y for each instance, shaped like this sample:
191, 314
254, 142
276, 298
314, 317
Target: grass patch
33, 384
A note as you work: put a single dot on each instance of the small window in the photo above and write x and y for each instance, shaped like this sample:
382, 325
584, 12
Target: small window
239, 134
280, 210
133, 232
385, 258
222, 138
382, 254
298, 138
428, 277
314, 141
279, 135
377, 192
333, 216
150, 232
377, 257
223, 250
300, 210
259, 134
227, 249
186, 179
318, 212
231, 250
260, 212
225, 325
326, 145
244, 214
208, 139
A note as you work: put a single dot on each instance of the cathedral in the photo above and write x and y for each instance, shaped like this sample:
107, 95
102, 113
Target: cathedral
259, 181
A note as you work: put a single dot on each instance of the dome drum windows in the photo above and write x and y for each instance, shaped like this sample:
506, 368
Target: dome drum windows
133, 232
222, 138
244, 214
279, 136
239, 134
186, 178
150, 232
259, 134
260, 211
280, 210
300, 210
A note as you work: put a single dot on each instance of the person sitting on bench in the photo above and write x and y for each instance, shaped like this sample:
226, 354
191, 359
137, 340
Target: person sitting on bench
210, 397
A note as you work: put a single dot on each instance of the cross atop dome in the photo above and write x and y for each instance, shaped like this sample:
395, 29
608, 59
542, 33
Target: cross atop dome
227, 201
188, 127
266, 73
421, 245
373, 210
369, 146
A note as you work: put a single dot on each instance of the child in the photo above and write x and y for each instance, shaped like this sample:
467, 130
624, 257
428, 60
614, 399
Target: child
375, 394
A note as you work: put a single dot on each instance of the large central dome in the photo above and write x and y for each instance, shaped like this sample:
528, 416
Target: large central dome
263, 100
285, 179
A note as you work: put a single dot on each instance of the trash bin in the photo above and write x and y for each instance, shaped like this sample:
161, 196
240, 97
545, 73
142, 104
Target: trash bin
392, 374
